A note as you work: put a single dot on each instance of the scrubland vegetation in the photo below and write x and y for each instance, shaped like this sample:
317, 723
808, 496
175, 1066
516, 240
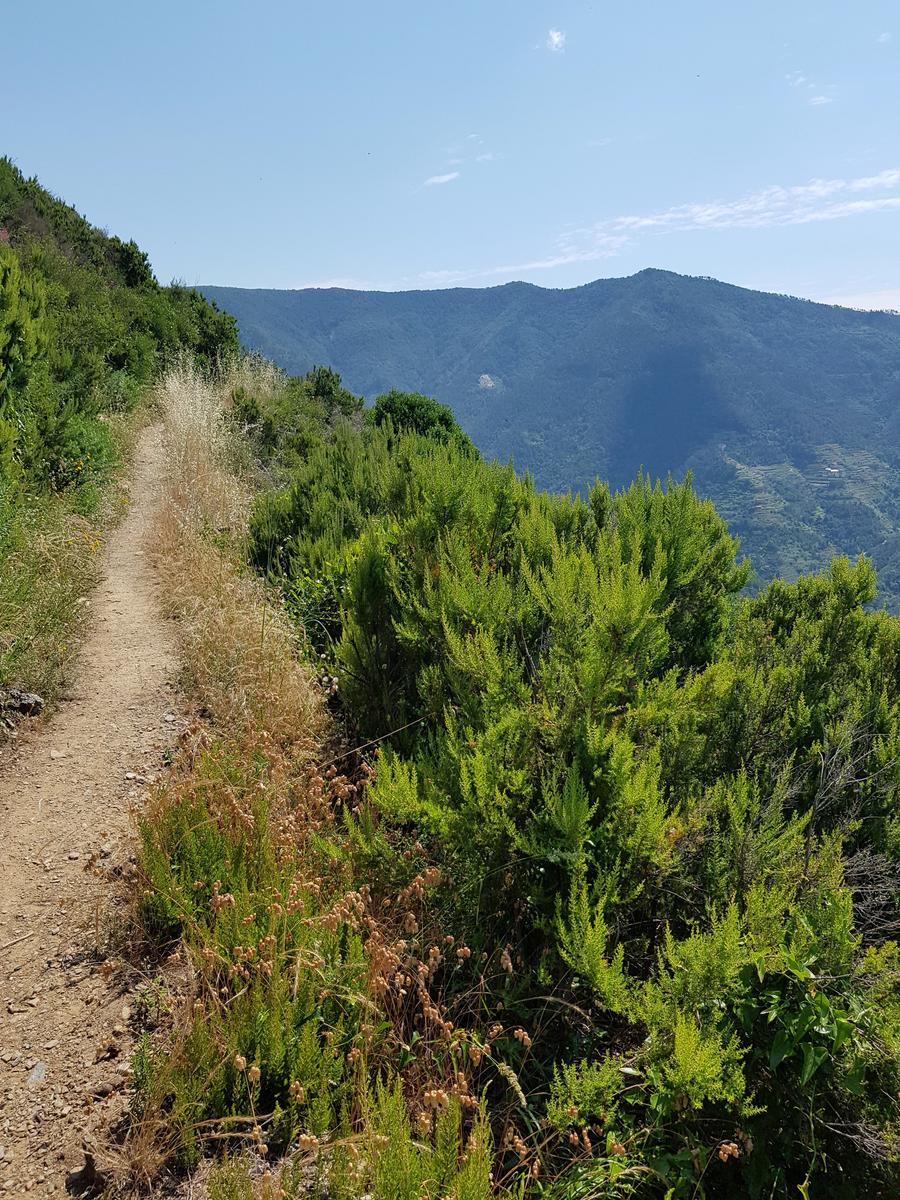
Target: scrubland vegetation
84, 328
518, 854
511, 851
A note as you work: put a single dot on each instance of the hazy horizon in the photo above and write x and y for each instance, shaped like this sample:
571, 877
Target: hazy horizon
541, 286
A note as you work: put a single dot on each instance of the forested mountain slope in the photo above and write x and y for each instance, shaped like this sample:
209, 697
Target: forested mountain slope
786, 411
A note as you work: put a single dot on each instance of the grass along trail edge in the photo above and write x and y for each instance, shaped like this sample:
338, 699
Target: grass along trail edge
65, 829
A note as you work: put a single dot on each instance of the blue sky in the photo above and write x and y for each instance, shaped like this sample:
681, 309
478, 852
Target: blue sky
403, 145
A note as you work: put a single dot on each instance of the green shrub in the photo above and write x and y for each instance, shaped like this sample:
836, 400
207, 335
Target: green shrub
411, 412
645, 787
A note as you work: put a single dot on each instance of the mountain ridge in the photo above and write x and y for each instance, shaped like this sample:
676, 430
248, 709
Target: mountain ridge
643, 272
786, 410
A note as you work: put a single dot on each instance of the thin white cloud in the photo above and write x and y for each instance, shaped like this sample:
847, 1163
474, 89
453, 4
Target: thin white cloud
884, 179
883, 38
434, 180
796, 79
556, 41
775, 206
485, 157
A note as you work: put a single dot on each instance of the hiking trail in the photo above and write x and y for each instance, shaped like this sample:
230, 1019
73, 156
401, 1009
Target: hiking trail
66, 793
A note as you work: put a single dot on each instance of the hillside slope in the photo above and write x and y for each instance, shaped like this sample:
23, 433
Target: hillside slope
785, 410
84, 329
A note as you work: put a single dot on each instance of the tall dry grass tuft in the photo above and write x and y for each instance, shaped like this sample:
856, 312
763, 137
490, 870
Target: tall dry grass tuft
254, 374
239, 651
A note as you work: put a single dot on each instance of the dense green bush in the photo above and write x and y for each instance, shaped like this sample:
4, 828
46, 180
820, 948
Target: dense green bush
670, 814
285, 416
411, 412
83, 325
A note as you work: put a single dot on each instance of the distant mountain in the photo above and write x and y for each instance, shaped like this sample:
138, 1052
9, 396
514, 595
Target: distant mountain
787, 412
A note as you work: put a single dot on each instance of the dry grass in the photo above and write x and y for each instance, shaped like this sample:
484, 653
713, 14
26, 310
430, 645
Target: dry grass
258, 704
239, 651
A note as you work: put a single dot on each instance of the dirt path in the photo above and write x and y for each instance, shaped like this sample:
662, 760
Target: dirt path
64, 822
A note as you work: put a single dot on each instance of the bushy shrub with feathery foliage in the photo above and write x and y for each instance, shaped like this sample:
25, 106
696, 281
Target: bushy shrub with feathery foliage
645, 795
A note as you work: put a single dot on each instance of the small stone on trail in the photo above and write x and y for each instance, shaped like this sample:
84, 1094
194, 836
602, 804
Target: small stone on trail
38, 1074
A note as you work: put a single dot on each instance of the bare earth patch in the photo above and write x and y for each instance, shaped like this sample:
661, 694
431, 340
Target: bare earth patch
65, 799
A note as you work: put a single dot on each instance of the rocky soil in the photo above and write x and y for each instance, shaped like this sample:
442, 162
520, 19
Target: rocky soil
68, 788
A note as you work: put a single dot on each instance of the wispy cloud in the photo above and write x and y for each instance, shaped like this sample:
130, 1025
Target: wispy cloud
796, 79
770, 207
470, 149
776, 205
556, 41
598, 143
883, 38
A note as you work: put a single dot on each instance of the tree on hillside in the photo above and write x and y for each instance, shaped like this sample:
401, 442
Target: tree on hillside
23, 342
325, 385
415, 413
22, 328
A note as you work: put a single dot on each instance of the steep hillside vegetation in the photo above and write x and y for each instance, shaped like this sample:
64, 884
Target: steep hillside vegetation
84, 326
786, 411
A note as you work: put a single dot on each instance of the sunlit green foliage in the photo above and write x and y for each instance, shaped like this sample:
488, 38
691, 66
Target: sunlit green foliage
80, 313
411, 412
84, 326
654, 793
